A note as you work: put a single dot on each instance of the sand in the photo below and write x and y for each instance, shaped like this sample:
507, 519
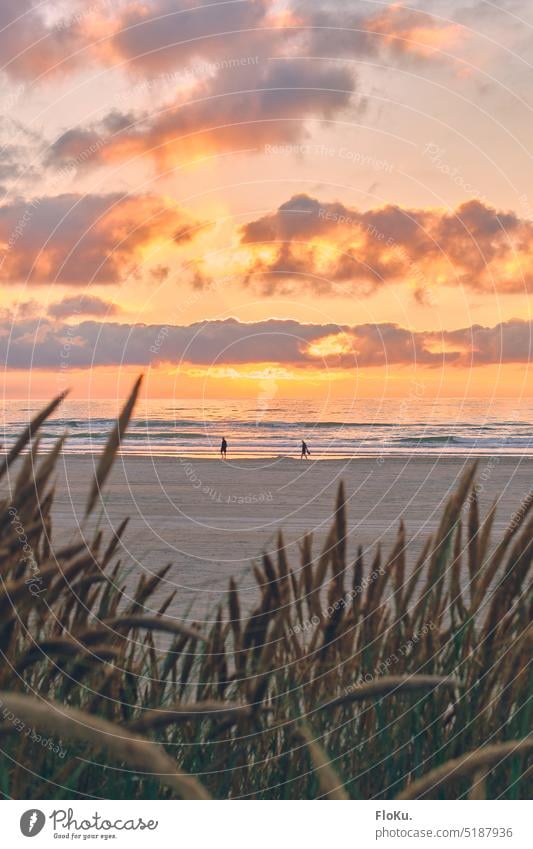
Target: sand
211, 519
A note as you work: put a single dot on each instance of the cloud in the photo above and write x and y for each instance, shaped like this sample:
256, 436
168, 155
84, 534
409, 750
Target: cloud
11, 166
163, 35
409, 32
331, 247
19, 148
510, 341
77, 239
30, 46
270, 102
358, 30
239, 74
42, 344
147, 39
160, 273
82, 305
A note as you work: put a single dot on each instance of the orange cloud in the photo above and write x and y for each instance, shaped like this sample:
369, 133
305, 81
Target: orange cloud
80, 239
334, 345
270, 102
331, 247
394, 32
411, 31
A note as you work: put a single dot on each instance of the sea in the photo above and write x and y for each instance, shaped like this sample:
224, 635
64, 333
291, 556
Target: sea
275, 427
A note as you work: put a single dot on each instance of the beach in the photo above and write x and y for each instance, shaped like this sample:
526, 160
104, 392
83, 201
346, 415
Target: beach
211, 519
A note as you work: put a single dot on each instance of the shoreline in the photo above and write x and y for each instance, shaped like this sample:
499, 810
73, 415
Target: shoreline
472, 454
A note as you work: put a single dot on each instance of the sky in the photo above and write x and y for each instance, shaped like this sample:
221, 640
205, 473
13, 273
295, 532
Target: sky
329, 198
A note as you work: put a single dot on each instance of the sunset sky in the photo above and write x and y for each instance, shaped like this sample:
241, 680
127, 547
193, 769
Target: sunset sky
335, 195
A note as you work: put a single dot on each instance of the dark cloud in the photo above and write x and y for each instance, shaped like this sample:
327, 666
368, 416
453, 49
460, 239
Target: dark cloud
75, 305
34, 343
269, 102
510, 341
169, 34
325, 244
79, 239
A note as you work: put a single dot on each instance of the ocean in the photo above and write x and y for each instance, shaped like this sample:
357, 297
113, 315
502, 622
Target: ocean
272, 428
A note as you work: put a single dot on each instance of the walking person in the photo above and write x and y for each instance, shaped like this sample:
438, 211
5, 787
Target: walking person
305, 451
223, 448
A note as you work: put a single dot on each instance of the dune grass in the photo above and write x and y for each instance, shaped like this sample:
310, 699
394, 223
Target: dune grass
362, 680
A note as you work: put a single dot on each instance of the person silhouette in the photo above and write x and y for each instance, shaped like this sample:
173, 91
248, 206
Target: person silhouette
305, 451
223, 448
